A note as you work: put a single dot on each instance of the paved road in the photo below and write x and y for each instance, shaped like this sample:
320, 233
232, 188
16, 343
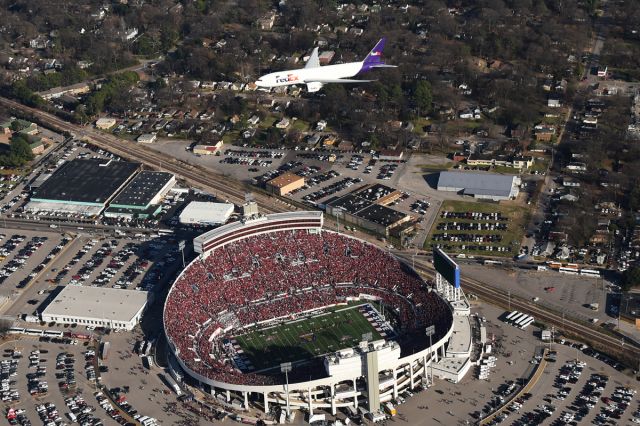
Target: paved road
594, 336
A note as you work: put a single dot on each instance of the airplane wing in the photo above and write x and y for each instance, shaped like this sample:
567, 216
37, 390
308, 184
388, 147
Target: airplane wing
338, 80
313, 61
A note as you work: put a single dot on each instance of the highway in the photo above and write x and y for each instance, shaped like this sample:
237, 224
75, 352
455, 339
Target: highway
597, 338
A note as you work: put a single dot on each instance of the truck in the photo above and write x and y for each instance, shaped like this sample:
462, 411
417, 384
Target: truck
30, 318
172, 383
104, 353
594, 306
390, 409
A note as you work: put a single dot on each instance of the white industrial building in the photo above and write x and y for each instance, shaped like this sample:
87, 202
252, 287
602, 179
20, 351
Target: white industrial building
95, 306
480, 185
206, 213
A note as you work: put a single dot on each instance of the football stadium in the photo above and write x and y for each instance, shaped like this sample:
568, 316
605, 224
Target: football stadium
347, 322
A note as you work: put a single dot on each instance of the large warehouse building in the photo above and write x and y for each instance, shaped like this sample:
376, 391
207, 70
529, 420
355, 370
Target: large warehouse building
142, 196
106, 307
82, 187
206, 213
480, 185
367, 208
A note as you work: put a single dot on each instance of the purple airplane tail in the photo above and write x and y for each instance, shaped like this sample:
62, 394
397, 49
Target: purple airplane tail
374, 58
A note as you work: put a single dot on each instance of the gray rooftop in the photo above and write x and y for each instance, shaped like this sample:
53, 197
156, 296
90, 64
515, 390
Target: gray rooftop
477, 183
94, 302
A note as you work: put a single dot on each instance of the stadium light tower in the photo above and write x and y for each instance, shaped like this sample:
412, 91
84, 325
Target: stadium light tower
181, 246
285, 367
430, 331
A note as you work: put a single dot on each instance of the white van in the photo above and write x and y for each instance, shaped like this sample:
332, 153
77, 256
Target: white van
72, 417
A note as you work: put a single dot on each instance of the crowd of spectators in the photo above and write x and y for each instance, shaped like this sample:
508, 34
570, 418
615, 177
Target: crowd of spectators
279, 276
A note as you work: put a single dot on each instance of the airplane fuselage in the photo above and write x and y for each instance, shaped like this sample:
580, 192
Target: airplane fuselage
305, 75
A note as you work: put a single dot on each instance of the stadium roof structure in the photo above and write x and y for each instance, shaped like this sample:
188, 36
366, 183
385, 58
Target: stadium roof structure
86, 181
142, 189
107, 304
478, 184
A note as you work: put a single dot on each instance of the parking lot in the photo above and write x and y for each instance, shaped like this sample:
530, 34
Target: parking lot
478, 228
102, 261
515, 352
47, 383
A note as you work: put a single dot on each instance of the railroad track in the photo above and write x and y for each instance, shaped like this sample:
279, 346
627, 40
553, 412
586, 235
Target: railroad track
235, 192
497, 297
231, 189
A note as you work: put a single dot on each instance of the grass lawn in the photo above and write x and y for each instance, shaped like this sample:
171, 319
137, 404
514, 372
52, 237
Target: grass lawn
300, 125
268, 121
540, 165
295, 341
506, 170
419, 124
231, 137
432, 168
511, 237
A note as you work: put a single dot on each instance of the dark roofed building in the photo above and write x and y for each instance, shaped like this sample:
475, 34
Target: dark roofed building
379, 193
365, 208
142, 195
83, 186
350, 203
383, 216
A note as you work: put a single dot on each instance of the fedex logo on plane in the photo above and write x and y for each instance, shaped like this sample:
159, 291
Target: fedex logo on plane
289, 78
377, 53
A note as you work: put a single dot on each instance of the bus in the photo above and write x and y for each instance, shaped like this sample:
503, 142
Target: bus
53, 333
523, 320
518, 317
527, 323
570, 271
590, 272
555, 265
511, 315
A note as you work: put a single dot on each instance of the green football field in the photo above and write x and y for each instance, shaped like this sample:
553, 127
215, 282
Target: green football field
305, 339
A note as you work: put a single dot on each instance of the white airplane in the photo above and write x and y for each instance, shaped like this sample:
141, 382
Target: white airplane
315, 76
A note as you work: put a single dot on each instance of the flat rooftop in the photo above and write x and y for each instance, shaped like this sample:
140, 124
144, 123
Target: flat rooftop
142, 189
460, 342
285, 179
375, 192
381, 215
109, 304
477, 183
350, 203
90, 181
